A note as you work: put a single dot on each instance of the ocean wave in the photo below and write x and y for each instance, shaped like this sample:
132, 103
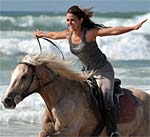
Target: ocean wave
17, 34
50, 22
126, 47
131, 46
29, 22
113, 21
30, 110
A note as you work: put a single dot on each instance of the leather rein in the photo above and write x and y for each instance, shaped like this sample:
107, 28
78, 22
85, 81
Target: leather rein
63, 58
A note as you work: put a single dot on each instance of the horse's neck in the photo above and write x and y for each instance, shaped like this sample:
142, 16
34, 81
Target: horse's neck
53, 93
61, 89
49, 95
45, 75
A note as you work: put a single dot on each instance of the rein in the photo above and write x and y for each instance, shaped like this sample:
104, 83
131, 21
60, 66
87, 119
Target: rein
51, 43
35, 76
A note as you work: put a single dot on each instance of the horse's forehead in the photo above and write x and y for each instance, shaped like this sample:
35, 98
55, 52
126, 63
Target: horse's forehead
19, 69
17, 72
27, 61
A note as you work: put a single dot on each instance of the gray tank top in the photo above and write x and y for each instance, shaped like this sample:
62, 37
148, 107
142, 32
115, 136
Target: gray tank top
88, 52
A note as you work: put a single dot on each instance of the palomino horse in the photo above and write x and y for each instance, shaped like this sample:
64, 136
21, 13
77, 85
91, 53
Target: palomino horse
69, 108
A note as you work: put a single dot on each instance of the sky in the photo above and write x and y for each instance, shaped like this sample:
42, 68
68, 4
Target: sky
63, 5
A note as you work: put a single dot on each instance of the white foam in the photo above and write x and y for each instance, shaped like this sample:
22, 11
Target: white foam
7, 18
26, 21
29, 110
125, 47
126, 22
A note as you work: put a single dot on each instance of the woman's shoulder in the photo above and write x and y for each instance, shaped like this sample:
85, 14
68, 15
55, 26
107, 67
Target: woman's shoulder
67, 33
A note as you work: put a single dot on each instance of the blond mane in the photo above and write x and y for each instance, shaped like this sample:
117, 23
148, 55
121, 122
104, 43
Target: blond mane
57, 65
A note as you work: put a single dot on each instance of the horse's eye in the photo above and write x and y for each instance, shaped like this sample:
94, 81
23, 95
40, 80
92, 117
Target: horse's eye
24, 77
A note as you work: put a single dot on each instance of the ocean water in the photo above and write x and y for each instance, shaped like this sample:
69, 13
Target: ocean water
129, 54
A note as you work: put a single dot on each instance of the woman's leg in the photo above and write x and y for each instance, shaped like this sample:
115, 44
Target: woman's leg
107, 85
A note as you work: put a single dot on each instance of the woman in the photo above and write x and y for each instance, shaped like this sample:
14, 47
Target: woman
81, 34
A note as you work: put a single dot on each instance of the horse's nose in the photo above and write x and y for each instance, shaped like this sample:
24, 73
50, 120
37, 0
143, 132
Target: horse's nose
7, 102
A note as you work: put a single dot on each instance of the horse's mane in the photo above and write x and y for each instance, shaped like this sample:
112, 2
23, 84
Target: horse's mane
57, 65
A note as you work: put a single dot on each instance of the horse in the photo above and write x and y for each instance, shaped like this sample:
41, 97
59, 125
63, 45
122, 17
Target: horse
70, 110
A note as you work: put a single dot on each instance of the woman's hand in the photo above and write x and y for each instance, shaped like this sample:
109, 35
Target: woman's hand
38, 34
139, 24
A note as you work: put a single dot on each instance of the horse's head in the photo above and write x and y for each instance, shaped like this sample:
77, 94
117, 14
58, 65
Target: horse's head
29, 76
22, 80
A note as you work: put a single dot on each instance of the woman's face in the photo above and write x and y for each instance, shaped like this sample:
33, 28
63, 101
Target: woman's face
73, 22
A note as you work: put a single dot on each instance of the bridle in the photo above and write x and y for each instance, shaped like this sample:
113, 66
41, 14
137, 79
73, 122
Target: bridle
35, 76
39, 88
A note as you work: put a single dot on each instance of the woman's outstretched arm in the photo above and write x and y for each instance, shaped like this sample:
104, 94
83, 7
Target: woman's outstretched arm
119, 30
52, 35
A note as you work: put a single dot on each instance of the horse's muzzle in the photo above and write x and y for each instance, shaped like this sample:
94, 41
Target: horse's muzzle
8, 103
